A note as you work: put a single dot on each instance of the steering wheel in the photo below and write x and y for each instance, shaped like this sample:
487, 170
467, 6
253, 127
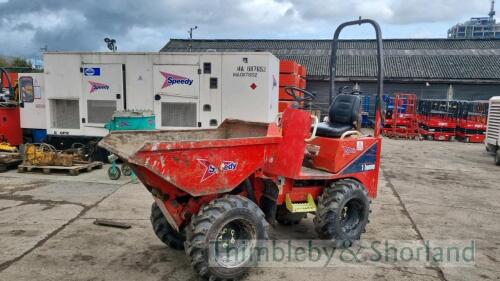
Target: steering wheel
294, 92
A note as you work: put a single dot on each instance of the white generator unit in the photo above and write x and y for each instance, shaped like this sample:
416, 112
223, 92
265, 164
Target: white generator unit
493, 130
184, 90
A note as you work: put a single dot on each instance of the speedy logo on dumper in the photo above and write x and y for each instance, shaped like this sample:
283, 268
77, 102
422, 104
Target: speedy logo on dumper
349, 150
172, 79
229, 165
94, 86
211, 170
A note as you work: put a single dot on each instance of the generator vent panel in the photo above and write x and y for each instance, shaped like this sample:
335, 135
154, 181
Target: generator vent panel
64, 114
494, 122
100, 111
178, 114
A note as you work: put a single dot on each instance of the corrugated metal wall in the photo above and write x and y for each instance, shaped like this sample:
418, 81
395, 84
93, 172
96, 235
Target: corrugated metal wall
433, 91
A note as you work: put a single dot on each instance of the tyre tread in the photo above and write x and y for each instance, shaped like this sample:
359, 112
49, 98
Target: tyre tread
197, 229
164, 231
328, 209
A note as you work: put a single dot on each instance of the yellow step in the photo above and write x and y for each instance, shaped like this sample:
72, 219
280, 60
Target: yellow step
305, 207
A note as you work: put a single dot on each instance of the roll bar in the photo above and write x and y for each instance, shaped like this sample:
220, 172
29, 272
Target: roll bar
380, 66
3, 71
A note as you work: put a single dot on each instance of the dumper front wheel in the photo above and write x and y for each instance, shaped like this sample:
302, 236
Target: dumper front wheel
165, 231
342, 213
222, 239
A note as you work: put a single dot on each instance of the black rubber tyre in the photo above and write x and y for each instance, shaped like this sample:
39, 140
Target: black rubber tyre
285, 217
497, 157
126, 170
489, 149
164, 231
342, 212
114, 173
208, 230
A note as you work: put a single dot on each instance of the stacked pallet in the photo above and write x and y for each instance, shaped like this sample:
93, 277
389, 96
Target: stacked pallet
292, 74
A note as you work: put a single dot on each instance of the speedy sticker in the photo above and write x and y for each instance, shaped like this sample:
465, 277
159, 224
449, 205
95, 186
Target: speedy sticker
211, 169
95, 86
349, 150
229, 165
173, 79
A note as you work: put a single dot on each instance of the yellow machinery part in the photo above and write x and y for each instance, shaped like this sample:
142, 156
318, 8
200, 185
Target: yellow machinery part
5, 146
46, 155
39, 155
309, 206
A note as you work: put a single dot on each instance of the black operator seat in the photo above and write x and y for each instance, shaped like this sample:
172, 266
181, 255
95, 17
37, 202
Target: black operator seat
343, 116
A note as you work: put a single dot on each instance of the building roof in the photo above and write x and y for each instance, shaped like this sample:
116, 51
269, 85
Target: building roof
461, 60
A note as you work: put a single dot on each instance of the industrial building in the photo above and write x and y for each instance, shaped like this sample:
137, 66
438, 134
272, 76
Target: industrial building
431, 68
478, 27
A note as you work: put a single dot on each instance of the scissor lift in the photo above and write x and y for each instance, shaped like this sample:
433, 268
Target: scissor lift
438, 119
471, 121
402, 122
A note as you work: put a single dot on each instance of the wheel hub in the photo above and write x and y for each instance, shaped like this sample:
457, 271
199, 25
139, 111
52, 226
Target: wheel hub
235, 243
351, 215
227, 237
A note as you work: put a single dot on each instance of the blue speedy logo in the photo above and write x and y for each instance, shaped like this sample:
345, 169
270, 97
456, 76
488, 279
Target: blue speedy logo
229, 165
172, 79
92, 71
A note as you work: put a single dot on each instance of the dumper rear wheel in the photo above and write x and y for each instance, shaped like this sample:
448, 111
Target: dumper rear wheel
221, 239
497, 157
165, 231
342, 213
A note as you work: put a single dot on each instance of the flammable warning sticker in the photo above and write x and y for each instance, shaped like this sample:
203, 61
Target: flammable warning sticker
359, 145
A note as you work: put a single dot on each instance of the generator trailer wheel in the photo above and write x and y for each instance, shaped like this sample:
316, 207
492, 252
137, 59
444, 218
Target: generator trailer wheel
114, 173
126, 170
164, 231
221, 239
342, 212
285, 217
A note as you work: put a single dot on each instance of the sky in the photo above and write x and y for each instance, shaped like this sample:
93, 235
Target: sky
26, 26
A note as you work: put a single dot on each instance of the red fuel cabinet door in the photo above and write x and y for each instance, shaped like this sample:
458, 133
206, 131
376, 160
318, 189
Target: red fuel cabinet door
10, 126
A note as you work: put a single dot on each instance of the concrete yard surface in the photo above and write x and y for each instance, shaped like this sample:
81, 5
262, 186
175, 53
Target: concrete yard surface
428, 191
